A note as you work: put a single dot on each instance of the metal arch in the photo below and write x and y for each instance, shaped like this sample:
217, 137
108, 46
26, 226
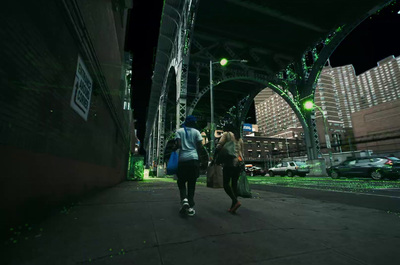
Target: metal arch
339, 35
168, 58
174, 58
158, 144
311, 75
173, 19
258, 78
330, 44
167, 45
162, 112
161, 120
174, 9
307, 84
166, 37
305, 120
284, 93
153, 143
176, 12
185, 39
161, 132
149, 156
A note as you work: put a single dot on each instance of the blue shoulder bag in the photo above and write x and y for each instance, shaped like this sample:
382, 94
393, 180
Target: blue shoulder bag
172, 166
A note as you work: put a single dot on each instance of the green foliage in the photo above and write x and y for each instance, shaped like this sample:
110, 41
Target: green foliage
136, 168
139, 169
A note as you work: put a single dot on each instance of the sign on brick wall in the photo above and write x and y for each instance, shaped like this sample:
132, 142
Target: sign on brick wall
82, 91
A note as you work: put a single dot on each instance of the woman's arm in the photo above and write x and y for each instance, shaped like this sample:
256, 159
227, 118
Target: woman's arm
221, 141
220, 144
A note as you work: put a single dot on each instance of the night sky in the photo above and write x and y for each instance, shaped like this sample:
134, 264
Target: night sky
142, 38
374, 39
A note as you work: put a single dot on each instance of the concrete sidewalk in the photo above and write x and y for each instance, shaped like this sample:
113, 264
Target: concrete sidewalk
138, 223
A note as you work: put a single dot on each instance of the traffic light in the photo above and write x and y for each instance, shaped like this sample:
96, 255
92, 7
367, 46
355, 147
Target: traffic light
308, 105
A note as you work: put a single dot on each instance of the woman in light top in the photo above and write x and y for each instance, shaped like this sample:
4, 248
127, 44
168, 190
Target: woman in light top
233, 167
189, 143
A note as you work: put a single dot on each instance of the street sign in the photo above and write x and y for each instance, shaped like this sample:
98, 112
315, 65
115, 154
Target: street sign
82, 90
247, 127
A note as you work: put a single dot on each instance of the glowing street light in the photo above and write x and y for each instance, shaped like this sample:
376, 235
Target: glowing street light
308, 105
223, 62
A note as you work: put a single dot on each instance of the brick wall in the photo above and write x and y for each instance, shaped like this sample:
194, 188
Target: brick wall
378, 128
48, 152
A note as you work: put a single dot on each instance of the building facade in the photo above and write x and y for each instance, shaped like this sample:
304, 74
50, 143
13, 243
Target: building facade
378, 128
267, 151
339, 94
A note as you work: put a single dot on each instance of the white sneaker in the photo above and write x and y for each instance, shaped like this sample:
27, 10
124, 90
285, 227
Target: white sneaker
185, 206
191, 212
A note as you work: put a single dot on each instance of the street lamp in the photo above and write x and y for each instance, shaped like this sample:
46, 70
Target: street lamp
223, 62
296, 136
309, 105
287, 145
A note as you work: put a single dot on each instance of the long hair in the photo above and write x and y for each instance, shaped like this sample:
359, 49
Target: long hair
230, 128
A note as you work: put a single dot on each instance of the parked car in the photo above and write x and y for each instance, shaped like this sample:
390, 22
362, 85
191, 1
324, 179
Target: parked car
290, 169
253, 171
376, 167
394, 159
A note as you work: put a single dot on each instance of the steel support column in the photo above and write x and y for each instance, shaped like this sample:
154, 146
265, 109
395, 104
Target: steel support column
311, 136
184, 41
161, 137
154, 144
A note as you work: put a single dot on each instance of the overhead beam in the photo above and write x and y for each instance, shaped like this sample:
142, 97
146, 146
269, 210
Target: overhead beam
276, 14
222, 36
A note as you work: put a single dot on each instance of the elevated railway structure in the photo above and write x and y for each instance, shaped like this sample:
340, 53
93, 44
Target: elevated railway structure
282, 45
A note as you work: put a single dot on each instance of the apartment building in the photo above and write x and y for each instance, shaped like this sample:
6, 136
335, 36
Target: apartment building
339, 94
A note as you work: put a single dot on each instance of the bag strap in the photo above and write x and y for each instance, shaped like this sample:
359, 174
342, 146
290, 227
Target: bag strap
229, 133
235, 144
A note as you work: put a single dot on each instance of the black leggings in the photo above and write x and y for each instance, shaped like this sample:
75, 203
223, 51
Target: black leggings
188, 171
231, 174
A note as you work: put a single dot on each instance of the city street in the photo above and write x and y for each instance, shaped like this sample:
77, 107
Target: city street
364, 192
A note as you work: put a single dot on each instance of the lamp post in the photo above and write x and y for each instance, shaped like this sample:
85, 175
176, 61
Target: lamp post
309, 105
222, 62
287, 145
296, 136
